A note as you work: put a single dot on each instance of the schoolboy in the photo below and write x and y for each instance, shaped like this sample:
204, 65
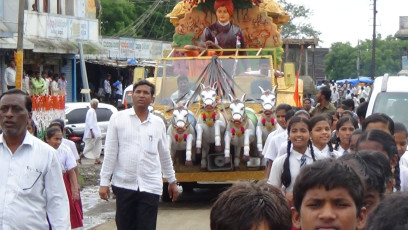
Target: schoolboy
247, 206
281, 111
328, 194
391, 214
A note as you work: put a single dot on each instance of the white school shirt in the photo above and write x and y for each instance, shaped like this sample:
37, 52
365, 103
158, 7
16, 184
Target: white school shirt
136, 153
324, 153
32, 187
91, 122
294, 166
340, 151
271, 151
72, 147
404, 178
66, 158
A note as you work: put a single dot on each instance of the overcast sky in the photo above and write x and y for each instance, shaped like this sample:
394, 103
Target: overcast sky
350, 20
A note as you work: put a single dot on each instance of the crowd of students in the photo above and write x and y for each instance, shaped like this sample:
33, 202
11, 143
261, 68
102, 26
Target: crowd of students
331, 169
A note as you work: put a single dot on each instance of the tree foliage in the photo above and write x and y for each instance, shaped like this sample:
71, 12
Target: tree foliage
298, 25
341, 61
118, 15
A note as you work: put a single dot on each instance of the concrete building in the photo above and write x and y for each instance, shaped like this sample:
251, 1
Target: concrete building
52, 30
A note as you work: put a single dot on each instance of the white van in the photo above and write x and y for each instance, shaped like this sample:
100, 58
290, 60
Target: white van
390, 96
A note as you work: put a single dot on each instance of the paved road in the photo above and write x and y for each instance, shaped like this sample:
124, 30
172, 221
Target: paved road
191, 211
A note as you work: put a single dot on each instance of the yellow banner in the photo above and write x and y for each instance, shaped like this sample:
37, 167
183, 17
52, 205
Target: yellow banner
19, 63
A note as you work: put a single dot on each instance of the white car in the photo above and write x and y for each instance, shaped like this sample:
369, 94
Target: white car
75, 114
390, 96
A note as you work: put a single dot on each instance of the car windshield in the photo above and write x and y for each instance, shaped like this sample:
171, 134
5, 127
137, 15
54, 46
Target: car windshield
248, 74
394, 105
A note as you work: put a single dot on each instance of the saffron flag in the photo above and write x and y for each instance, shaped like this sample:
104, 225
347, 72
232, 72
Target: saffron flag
296, 96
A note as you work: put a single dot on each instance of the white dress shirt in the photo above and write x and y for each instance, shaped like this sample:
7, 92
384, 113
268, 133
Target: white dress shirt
271, 150
294, 166
32, 187
72, 147
91, 122
10, 76
136, 153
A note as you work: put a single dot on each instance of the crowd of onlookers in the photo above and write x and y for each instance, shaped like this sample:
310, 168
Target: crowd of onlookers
33, 83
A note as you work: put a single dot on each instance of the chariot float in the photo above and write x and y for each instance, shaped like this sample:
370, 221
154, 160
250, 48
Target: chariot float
217, 128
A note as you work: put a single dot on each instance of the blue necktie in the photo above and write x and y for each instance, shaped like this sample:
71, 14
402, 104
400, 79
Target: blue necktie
302, 160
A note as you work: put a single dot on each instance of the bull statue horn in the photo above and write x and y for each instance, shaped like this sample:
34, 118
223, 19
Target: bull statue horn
243, 97
214, 86
274, 89
231, 98
262, 90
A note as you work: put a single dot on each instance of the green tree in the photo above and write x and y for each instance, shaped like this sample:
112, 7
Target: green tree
340, 62
298, 25
116, 15
121, 15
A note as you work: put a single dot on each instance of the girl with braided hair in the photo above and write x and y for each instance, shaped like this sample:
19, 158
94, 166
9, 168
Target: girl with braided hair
299, 153
344, 128
320, 135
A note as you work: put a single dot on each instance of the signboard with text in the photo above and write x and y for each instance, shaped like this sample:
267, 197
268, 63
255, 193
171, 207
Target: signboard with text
57, 27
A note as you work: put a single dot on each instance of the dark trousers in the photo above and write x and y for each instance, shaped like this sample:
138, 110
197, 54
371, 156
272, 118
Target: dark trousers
135, 210
107, 98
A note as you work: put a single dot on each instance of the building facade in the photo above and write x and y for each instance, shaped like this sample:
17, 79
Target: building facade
52, 31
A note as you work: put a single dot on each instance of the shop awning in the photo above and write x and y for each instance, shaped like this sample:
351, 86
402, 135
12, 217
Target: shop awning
41, 45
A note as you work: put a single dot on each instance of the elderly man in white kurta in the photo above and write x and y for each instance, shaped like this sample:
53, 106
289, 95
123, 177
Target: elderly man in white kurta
92, 134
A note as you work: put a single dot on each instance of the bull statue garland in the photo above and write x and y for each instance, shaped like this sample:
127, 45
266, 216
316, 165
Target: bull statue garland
240, 131
266, 123
210, 123
181, 133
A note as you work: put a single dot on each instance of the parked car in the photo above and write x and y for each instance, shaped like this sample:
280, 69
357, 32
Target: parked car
390, 96
75, 114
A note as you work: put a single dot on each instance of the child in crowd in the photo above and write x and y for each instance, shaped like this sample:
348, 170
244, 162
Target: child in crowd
390, 214
353, 140
345, 127
400, 137
247, 206
381, 141
299, 153
68, 165
375, 171
269, 149
320, 136
328, 194
379, 121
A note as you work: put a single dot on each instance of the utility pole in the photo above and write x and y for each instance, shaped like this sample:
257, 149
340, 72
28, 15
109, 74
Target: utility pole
20, 47
373, 43
358, 59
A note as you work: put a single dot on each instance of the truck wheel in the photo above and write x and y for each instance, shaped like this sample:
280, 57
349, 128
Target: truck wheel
165, 195
188, 186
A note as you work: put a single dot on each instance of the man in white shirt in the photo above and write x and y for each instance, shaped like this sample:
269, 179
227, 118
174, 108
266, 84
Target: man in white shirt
10, 75
136, 158
92, 134
335, 97
107, 88
184, 92
32, 189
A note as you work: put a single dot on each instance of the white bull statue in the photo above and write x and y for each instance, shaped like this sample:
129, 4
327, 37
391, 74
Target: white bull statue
181, 134
267, 121
240, 132
210, 123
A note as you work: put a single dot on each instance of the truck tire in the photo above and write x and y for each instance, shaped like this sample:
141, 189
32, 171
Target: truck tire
188, 186
165, 195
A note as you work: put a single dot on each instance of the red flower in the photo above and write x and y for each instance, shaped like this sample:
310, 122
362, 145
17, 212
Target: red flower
264, 121
242, 129
213, 116
185, 137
